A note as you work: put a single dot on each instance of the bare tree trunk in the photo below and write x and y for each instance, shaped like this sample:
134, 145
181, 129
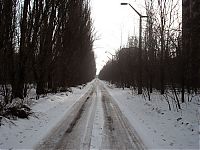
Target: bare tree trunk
18, 87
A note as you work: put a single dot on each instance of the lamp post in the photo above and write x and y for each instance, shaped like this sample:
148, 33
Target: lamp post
111, 79
140, 48
110, 54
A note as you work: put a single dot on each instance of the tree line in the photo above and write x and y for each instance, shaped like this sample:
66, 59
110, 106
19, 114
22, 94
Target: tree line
47, 43
168, 61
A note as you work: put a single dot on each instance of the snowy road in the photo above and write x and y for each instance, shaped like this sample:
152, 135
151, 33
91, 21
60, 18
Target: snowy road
95, 122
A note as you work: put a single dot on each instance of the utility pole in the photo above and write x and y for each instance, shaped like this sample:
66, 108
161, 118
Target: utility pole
140, 49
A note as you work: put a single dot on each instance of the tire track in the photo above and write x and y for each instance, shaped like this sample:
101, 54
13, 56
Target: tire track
118, 132
112, 129
62, 132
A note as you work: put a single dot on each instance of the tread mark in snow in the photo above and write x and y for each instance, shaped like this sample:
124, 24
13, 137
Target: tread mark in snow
78, 116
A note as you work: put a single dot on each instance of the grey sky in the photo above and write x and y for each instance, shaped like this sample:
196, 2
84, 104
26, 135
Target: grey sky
113, 23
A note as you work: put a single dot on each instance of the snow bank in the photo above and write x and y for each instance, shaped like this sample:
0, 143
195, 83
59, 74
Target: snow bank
48, 111
158, 127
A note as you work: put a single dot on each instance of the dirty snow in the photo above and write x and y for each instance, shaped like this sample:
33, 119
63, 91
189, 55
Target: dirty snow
158, 127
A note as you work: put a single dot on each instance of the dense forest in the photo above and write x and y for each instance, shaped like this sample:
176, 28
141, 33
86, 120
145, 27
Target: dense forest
170, 52
47, 43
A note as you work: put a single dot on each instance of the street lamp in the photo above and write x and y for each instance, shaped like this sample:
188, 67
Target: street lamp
111, 61
110, 54
140, 48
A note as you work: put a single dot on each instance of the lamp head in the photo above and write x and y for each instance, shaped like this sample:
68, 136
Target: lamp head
124, 3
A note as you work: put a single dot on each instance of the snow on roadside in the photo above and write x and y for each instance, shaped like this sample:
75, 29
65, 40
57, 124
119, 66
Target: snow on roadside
48, 111
158, 127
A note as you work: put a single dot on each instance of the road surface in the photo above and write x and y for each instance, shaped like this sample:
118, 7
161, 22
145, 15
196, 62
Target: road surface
95, 122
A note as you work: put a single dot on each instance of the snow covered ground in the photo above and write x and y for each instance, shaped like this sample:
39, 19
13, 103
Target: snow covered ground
158, 127
48, 112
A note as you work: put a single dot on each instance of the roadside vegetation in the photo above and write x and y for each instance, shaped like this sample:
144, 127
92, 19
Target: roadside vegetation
47, 44
170, 56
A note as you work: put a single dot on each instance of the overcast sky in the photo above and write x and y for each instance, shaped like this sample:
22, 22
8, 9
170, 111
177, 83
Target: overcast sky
113, 23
